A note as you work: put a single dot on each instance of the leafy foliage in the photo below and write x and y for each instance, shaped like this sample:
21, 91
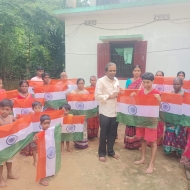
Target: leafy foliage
29, 36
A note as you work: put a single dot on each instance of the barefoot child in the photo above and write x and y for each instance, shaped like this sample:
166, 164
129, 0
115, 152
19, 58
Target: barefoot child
37, 107
66, 109
5, 118
148, 79
45, 121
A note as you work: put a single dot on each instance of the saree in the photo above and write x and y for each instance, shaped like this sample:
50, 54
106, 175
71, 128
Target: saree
185, 158
131, 141
174, 139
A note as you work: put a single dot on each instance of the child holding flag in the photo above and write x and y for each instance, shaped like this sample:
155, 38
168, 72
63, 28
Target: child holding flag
143, 132
6, 107
45, 121
37, 107
67, 109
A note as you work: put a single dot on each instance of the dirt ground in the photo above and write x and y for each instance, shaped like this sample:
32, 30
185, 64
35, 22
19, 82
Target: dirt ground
81, 170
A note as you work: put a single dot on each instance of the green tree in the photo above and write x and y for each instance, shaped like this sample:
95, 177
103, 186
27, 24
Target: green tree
29, 36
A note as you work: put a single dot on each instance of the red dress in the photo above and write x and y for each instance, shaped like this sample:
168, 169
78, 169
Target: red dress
148, 134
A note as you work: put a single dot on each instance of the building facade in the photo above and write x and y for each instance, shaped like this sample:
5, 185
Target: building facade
152, 33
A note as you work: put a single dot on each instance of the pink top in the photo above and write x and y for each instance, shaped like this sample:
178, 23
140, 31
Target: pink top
36, 79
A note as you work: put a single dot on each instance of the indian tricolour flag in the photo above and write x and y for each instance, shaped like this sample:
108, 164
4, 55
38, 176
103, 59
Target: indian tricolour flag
163, 84
12, 94
25, 106
83, 104
55, 115
49, 152
15, 136
186, 85
171, 108
55, 95
185, 121
72, 128
138, 110
71, 83
33, 84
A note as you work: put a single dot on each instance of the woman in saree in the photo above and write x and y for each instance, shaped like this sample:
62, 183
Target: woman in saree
23, 94
80, 90
175, 134
130, 139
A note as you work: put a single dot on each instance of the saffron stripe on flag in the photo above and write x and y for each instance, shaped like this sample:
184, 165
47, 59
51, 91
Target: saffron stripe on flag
14, 137
37, 127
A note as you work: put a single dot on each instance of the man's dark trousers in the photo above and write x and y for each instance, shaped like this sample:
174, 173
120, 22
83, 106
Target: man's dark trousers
108, 126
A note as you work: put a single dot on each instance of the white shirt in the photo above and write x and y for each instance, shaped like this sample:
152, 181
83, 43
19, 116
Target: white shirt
104, 88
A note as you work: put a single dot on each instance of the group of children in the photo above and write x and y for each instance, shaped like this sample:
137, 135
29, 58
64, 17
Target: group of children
6, 117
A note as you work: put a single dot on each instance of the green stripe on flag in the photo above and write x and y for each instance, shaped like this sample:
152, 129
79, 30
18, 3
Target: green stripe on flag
171, 118
55, 104
9, 152
57, 136
89, 113
185, 120
78, 136
132, 120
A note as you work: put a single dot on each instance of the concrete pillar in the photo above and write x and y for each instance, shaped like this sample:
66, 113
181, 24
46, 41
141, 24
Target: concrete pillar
71, 3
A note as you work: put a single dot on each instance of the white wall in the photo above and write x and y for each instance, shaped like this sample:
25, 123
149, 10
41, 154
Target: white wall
81, 48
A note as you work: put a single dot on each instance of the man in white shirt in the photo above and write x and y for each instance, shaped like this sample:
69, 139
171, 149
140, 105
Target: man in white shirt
39, 72
107, 89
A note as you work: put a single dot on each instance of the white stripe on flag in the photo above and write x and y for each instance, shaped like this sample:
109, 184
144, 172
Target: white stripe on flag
71, 87
30, 90
163, 87
72, 128
50, 152
54, 122
85, 105
137, 110
171, 108
49, 96
186, 109
8, 141
21, 111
